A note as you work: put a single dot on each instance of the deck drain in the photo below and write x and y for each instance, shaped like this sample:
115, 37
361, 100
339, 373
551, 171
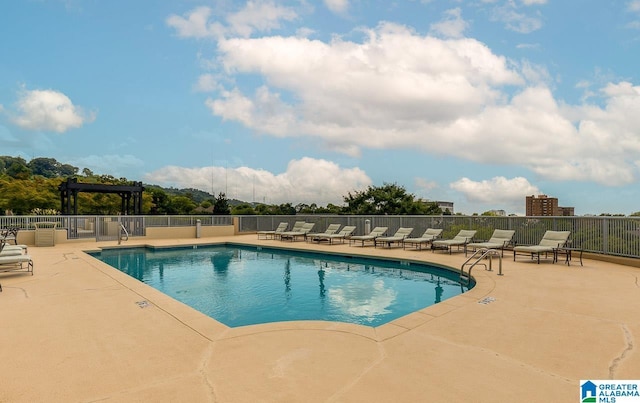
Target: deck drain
486, 300
142, 304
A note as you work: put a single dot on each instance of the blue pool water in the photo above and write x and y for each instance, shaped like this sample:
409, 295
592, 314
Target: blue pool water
239, 285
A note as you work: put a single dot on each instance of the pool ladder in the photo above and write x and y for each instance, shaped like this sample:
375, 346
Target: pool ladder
475, 260
126, 234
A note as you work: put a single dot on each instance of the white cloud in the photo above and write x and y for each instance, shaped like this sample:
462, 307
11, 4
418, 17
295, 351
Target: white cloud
306, 180
260, 16
398, 89
516, 20
634, 6
499, 192
533, 2
453, 26
206, 83
195, 24
49, 110
337, 6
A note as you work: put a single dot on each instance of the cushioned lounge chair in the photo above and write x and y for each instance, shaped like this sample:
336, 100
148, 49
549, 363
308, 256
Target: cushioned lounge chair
341, 235
297, 226
550, 243
398, 237
370, 237
14, 262
331, 229
500, 239
301, 233
282, 227
430, 235
462, 239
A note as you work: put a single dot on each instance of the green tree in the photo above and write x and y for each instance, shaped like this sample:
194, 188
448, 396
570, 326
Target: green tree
221, 205
22, 196
182, 205
387, 199
47, 167
243, 209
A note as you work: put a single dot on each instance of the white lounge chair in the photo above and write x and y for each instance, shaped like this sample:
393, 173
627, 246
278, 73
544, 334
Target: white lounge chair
500, 239
297, 226
282, 227
398, 237
430, 235
550, 243
14, 262
462, 239
370, 237
331, 229
343, 234
302, 232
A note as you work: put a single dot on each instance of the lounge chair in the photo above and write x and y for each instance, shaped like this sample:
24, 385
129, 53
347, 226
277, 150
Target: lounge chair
331, 229
297, 226
398, 237
550, 243
10, 250
343, 234
462, 239
14, 262
430, 235
370, 237
10, 234
302, 232
282, 227
500, 239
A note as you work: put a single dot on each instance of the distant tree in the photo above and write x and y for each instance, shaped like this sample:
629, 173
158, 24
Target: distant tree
387, 199
303, 208
13, 164
22, 196
87, 172
47, 167
243, 209
221, 205
182, 205
17, 170
329, 209
636, 214
66, 170
160, 203
490, 213
285, 209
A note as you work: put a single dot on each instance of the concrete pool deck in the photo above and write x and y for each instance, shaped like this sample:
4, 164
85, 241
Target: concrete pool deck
81, 331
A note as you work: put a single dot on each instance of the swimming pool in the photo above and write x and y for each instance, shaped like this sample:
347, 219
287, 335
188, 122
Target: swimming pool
240, 285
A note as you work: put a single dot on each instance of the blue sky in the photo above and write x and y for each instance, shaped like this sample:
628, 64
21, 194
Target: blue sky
476, 102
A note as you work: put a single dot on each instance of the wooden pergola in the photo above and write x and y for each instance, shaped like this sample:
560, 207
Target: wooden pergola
131, 195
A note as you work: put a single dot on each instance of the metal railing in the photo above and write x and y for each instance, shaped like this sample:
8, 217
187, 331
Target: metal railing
619, 236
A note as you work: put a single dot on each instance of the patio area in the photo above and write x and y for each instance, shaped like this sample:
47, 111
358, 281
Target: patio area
81, 331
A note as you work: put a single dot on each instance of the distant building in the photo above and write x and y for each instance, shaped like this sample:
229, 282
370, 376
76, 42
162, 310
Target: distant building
543, 205
567, 211
499, 213
444, 206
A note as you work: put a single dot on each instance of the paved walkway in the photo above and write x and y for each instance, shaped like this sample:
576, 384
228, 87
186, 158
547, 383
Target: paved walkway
81, 331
